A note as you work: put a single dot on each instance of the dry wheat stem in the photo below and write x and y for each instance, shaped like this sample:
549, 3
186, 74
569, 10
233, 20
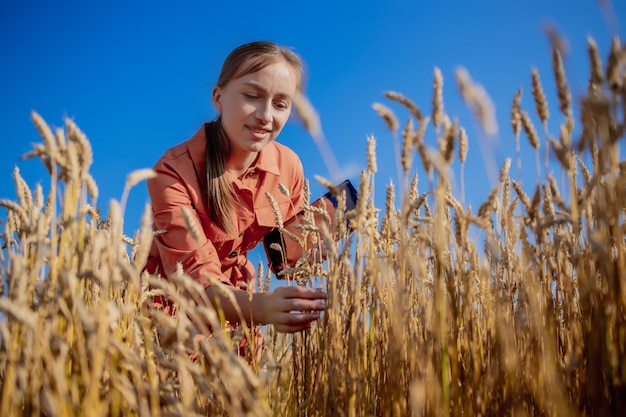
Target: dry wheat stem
478, 101
388, 116
406, 154
463, 149
372, 167
406, 102
595, 64
437, 100
563, 92
541, 105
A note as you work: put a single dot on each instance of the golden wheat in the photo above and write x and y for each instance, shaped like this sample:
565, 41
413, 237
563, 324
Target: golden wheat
432, 310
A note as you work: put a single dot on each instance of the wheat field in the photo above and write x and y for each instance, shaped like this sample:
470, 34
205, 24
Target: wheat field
516, 308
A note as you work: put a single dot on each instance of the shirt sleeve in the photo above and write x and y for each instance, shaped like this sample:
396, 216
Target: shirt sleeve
184, 240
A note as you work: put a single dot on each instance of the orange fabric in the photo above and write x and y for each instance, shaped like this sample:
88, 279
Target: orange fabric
180, 173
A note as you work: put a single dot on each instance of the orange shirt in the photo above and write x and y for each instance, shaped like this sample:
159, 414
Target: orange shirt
180, 173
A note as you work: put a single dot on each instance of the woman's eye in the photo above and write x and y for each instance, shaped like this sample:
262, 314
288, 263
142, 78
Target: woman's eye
250, 96
281, 105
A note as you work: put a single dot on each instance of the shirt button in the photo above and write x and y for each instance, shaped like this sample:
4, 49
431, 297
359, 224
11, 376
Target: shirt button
241, 234
233, 254
250, 174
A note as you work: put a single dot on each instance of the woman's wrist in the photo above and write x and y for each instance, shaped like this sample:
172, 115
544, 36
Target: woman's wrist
258, 304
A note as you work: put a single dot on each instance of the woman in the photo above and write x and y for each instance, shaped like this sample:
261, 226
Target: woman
220, 177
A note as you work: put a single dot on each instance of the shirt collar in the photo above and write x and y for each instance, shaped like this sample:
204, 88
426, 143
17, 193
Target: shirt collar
268, 159
197, 151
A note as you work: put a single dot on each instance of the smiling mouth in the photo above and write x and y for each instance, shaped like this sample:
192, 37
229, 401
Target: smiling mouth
258, 131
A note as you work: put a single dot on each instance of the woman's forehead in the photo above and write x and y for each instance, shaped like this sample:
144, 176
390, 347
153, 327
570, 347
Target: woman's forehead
279, 77
259, 63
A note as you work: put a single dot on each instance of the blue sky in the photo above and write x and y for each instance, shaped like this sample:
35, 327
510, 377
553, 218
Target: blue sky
136, 76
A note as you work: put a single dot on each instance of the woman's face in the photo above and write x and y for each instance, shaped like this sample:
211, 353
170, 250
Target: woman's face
254, 108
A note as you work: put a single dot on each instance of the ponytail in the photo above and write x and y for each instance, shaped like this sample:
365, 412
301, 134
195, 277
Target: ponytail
221, 198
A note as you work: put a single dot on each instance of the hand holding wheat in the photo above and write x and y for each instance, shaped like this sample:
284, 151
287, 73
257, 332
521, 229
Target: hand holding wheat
291, 309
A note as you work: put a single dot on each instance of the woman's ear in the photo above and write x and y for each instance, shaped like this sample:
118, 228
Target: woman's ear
217, 98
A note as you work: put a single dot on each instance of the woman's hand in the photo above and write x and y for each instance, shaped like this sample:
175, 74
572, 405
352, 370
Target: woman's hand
292, 309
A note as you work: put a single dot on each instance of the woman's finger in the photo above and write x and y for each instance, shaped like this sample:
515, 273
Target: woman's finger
282, 328
301, 292
295, 319
300, 304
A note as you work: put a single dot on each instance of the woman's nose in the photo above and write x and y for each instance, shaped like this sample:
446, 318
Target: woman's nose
264, 111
